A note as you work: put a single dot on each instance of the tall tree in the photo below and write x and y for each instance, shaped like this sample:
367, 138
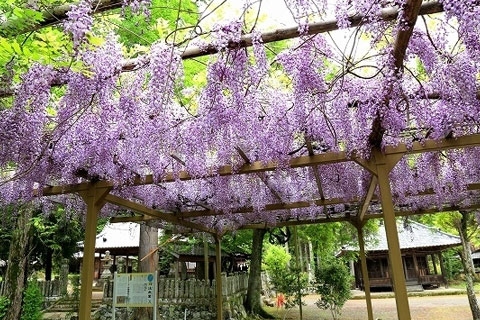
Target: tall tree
55, 237
18, 258
463, 223
462, 226
253, 302
148, 261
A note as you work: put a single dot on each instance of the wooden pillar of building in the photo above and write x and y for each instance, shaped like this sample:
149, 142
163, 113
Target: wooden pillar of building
434, 262
442, 269
365, 278
415, 265
218, 277
94, 199
383, 167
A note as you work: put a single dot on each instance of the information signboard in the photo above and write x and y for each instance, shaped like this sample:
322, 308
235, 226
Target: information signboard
135, 290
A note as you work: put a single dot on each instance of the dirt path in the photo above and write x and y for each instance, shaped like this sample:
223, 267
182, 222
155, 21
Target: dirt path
421, 308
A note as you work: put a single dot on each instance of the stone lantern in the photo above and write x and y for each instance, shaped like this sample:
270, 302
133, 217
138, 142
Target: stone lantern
106, 264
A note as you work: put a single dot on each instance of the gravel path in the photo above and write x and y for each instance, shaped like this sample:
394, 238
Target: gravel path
421, 308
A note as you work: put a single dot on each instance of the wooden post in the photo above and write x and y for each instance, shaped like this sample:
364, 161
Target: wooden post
442, 269
218, 277
365, 278
434, 263
395, 258
205, 257
299, 271
415, 264
93, 198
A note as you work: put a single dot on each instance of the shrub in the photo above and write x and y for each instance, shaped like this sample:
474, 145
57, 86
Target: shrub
32, 302
4, 304
333, 283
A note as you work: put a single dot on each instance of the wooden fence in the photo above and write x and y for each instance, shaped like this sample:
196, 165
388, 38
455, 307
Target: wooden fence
192, 290
49, 289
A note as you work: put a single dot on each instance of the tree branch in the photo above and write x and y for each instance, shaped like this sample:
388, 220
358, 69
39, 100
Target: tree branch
57, 15
246, 40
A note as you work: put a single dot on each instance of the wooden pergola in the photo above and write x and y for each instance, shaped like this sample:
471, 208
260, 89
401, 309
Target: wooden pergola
97, 194
368, 206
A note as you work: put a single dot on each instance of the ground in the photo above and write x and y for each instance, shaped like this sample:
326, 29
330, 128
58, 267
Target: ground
436, 304
445, 307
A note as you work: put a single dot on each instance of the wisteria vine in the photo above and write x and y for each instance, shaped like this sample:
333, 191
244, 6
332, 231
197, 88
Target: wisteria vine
308, 99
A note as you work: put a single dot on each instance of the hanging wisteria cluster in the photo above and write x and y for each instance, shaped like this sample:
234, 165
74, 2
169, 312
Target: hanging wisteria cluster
310, 98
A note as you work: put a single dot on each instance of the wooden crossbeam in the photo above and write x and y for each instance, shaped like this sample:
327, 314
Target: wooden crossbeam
353, 218
431, 145
168, 217
268, 207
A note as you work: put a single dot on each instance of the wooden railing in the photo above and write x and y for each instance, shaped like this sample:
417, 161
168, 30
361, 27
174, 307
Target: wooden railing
432, 279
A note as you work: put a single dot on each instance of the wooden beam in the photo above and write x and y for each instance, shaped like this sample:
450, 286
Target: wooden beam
169, 217
303, 161
406, 213
268, 207
430, 145
289, 223
73, 188
139, 218
366, 201
318, 179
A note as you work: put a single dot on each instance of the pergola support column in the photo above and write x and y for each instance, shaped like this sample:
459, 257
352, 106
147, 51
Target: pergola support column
384, 164
365, 278
94, 199
218, 277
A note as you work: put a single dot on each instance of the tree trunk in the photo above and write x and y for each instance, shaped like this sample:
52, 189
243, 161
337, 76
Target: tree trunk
17, 268
467, 265
148, 262
252, 301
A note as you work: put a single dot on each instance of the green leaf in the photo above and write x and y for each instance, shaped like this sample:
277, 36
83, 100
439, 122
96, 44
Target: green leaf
95, 41
16, 47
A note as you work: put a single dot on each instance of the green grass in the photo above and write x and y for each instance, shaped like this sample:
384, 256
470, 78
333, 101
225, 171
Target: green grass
460, 284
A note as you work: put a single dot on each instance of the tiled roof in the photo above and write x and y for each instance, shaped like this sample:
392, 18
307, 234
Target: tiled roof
412, 235
118, 235
476, 255
415, 235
